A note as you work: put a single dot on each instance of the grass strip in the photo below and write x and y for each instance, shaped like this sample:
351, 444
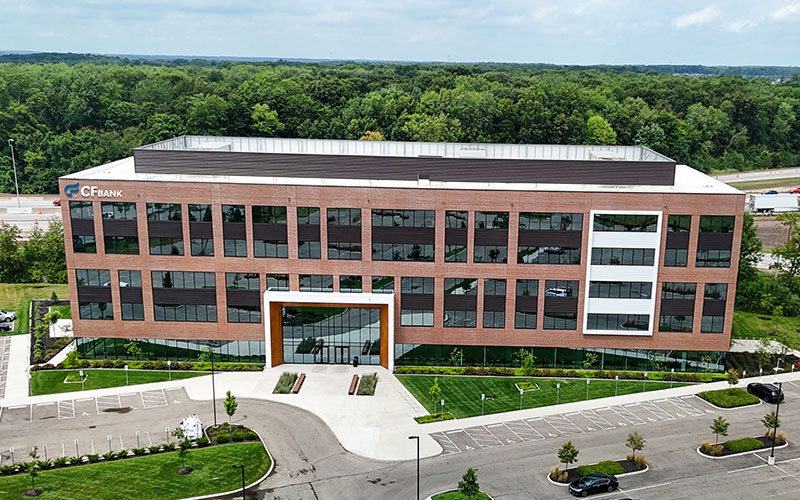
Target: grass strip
457, 495
605, 467
285, 383
52, 381
151, 476
743, 444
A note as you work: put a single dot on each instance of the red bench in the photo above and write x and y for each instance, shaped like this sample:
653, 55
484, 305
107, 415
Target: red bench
298, 383
353, 385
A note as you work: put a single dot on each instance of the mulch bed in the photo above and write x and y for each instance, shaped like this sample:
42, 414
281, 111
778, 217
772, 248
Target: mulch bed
572, 474
766, 441
32, 493
44, 305
184, 471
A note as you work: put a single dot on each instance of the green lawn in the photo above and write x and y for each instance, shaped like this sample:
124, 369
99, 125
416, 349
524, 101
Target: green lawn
64, 311
750, 325
456, 495
766, 183
17, 297
462, 395
151, 477
52, 381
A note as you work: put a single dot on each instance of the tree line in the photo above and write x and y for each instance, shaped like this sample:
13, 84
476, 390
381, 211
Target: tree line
66, 118
39, 259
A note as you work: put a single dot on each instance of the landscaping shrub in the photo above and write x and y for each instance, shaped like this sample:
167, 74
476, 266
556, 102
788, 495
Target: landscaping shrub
709, 448
237, 436
729, 398
122, 454
139, 451
367, 385
743, 444
154, 449
44, 464
426, 419
75, 460
7, 470
93, 458
202, 442
285, 383
557, 373
109, 455
558, 475
222, 438
779, 439
640, 461
605, 467
168, 446
61, 461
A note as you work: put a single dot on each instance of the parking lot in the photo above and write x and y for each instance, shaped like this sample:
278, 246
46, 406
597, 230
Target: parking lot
570, 424
86, 414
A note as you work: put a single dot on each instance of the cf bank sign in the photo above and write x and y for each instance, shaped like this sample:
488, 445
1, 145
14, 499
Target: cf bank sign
91, 191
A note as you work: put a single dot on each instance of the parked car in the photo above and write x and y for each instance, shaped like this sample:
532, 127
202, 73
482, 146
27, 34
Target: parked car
5, 327
795, 190
767, 392
57, 203
593, 483
771, 191
7, 316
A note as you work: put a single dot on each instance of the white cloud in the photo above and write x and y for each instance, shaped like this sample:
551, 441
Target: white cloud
697, 17
785, 11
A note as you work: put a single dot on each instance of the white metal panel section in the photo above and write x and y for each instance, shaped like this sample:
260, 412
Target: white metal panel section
618, 306
329, 298
603, 239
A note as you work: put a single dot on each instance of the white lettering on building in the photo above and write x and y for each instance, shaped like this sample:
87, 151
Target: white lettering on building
92, 191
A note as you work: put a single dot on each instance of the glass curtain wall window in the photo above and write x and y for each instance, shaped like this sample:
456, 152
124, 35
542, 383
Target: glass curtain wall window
273, 220
308, 247
539, 245
234, 245
494, 295
201, 246
416, 301
456, 224
525, 314
460, 302
179, 303
244, 299
491, 237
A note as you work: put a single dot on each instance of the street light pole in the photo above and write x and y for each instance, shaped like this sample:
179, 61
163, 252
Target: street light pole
483, 398
213, 386
241, 466
775, 429
417, 438
14, 163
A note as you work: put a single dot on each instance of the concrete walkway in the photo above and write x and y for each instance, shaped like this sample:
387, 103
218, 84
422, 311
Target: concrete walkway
752, 345
18, 363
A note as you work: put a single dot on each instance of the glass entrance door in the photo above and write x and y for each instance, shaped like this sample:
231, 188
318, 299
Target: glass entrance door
322, 355
341, 354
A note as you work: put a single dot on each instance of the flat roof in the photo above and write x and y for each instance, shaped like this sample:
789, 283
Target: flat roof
687, 181
400, 149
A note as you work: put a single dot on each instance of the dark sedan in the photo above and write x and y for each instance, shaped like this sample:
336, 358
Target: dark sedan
767, 392
593, 483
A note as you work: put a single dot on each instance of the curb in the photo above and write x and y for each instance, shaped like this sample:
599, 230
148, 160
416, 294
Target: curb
760, 402
256, 483
430, 497
778, 447
642, 471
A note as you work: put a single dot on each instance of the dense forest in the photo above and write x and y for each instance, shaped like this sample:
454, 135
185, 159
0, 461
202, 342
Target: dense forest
68, 117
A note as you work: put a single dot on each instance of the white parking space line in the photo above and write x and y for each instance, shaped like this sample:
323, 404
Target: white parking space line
597, 420
656, 410
154, 399
448, 446
483, 437
625, 414
66, 409
524, 431
107, 403
685, 407
563, 425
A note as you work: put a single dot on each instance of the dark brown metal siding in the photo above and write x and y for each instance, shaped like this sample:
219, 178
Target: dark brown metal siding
234, 230
263, 231
569, 239
714, 241
165, 228
82, 227
130, 295
403, 235
201, 230
120, 228
416, 301
455, 236
494, 303
307, 232
344, 233
491, 237
243, 297
677, 240
184, 296
561, 304
677, 306
713, 308
526, 303
402, 168
461, 302
94, 294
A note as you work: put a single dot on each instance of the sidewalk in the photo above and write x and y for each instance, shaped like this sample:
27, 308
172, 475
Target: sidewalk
17, 375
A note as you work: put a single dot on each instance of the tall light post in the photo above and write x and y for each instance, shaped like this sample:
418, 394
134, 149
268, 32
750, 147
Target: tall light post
213, 386
169, 369
241, 466
671, 377
126, 374
775, 429
417, 438
14, 163
587, 389
616, 384
520, 398
441, 403
558, 390
483, 398
644, 383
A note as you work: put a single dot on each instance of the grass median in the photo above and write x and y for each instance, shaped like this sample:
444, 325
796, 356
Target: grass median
462, 395
729, 398
52, 381
152, 476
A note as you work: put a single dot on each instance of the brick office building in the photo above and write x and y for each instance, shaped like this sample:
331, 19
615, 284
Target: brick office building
303, 251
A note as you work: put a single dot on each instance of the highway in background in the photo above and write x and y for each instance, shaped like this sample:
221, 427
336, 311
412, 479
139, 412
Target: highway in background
42, 211
760, 175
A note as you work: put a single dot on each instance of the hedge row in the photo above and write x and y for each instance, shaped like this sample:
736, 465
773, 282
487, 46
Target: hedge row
154, 365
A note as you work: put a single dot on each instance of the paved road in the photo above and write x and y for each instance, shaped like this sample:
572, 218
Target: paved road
760, 175
311, 465
41, 206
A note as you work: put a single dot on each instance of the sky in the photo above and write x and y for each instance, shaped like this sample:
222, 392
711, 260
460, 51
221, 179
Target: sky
722, 32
